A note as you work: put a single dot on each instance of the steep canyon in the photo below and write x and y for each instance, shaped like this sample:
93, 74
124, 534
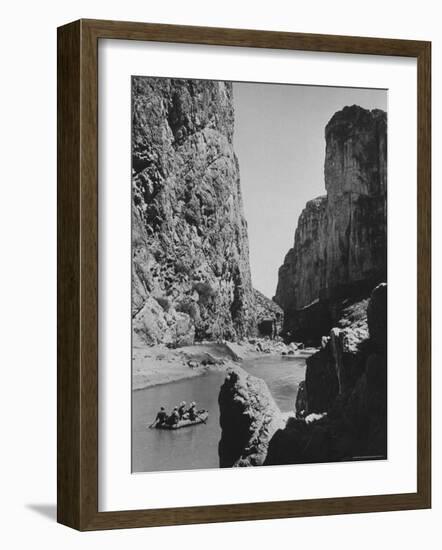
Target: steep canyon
190, 267
340, 243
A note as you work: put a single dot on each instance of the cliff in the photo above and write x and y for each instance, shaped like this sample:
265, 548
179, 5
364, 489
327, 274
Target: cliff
341, 408
345, 393
191, 274
269, 315
340, 242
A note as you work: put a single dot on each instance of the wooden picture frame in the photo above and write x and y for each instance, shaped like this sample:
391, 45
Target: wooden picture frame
77, 460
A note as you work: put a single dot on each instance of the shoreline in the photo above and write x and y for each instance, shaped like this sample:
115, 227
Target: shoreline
175, 375
159, 365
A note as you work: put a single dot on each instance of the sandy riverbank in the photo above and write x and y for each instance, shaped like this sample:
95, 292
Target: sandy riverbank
157, 365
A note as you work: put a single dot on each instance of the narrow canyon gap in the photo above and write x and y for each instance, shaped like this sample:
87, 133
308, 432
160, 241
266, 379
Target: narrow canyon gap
308, 193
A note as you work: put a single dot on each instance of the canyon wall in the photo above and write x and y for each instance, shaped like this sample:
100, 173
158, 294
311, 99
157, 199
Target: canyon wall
341, 408
269, 315
340, 245
345, 393
190, 272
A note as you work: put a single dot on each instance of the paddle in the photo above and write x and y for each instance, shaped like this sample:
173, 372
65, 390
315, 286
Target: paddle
153, 423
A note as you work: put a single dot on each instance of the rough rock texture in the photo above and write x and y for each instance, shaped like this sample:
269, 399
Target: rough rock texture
269, 315
299, 277
191, 274
377, 318
338, 364
248, 417
341, 409
347, 380
340, 245
158, 321
301, 400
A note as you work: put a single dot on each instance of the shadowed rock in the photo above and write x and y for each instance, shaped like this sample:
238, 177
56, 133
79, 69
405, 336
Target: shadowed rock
269, 315
377, 317
347, 379
248, 417
344, 400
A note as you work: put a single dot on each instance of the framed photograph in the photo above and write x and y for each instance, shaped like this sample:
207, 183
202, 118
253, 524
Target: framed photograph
243, 275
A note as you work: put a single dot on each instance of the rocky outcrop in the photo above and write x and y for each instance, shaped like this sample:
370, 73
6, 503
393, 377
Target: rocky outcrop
334, 369
269, 315
191, 274
341, 410
340, 243
248, 417
345, 393
377, 319
301, 401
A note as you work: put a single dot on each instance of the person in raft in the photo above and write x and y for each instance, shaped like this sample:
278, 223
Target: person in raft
161, 417
174, 418
192, 411
182, 409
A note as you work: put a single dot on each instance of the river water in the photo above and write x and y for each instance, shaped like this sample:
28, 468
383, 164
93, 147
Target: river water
197, 447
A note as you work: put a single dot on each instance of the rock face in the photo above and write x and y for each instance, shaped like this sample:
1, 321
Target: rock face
340, 246
298, 278
269, 315
341, 409
345, 393
248, 417
191, 274
334, 369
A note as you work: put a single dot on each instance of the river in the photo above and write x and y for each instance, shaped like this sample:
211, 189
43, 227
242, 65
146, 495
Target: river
197, 447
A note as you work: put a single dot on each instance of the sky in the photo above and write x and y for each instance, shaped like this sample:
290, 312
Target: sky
279, 141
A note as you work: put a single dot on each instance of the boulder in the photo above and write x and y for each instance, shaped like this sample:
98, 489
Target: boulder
249, 417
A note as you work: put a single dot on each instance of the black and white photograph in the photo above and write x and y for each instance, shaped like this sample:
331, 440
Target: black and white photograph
259, 274
220, 234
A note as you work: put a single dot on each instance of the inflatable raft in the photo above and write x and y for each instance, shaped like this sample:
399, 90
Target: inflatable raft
201, 417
